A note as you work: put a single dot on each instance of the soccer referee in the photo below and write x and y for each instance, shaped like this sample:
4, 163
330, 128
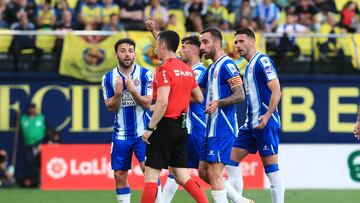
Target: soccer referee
166, 136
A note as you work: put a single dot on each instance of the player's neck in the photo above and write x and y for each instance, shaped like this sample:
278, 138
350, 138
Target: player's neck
250, 55
126, 71
168, 55
217, 55
192, 61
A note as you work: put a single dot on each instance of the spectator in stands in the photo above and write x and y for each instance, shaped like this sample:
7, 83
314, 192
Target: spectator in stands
65, 24
62, 6
328, 45
195, 13
287, 43
45, 15
330, 4
6, 174
15, 10
21, 42
132, 15
348, 16
233, 5
174, 25
306, 12
217, 13
173, 4
92, 39
108, 10
244, 12
33, 128
158, 13
113, 24
244, 23
268, 14
3, 23
90, 13
322, 16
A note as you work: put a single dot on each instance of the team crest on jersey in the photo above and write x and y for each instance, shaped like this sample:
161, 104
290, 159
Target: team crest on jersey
137, 82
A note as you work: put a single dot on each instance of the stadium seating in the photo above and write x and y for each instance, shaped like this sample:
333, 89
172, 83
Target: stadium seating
5, 43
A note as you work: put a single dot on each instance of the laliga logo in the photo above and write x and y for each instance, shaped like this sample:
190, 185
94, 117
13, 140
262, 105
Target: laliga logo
58, 168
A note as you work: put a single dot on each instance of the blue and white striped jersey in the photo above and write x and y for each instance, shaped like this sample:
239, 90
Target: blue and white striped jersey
259, 71
223, 122
131, 119
196, 114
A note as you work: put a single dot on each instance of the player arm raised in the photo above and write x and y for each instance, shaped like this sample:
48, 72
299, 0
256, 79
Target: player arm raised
143, 101
274, 86
237, 95
151, 26
113, 103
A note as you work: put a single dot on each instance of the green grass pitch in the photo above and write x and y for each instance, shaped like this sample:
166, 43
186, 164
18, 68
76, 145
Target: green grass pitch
260, 196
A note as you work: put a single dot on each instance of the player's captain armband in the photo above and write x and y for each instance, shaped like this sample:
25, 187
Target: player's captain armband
234, 81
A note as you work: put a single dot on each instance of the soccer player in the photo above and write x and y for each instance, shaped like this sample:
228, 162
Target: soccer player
166, 136
195, 121
261, 129
357, 125
127, 93
223, 87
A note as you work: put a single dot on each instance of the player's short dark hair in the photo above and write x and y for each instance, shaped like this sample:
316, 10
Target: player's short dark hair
123, 41
214, 32
194, 40
245, 31
171, 39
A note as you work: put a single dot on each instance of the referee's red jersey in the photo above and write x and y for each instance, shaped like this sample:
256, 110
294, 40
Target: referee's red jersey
180, 78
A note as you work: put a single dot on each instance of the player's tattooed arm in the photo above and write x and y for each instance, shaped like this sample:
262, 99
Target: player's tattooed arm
237, 96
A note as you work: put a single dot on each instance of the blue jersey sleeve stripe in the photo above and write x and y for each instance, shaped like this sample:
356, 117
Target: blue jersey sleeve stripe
108, 85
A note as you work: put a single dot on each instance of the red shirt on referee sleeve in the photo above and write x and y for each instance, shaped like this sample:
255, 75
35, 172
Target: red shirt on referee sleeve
181, 80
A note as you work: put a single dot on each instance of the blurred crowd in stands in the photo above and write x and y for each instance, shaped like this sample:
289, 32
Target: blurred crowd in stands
117, 15
284, 17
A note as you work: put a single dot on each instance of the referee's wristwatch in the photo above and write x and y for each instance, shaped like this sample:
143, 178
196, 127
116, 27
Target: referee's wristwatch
150, 129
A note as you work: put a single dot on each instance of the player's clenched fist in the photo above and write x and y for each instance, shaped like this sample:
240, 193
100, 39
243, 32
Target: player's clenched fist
119, 86
150, 25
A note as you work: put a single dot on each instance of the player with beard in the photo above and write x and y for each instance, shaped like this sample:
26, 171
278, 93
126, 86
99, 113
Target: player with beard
127, 91
223, 89
261, 129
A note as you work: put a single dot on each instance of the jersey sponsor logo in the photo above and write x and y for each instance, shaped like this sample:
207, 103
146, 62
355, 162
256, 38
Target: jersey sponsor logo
127, 99
137, 82
182, 73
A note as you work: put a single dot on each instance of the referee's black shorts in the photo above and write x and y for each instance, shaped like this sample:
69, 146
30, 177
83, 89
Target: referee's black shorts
167, 145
